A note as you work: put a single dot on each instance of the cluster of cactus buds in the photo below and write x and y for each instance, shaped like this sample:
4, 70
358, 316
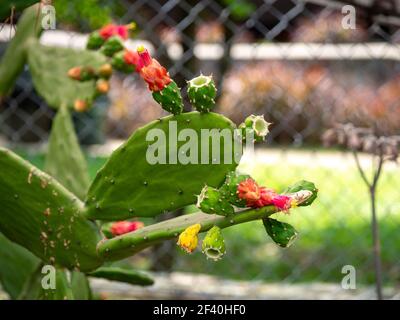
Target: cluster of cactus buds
363, 139
242, 191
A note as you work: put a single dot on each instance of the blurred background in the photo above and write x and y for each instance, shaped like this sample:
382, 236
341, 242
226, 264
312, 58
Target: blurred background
290, 60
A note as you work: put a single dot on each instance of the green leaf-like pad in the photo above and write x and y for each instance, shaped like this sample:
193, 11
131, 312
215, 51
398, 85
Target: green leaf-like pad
129, 186
49, 68
130, 276
44, 217
65, 160
282, 233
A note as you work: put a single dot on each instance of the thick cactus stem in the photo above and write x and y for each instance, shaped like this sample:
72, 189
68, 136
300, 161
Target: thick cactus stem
213, 245
212, 201
282, 233
258, 125
112, 46
202, 92
188, 238
170, 98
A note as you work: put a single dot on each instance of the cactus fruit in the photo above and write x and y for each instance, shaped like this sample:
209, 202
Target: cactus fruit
170, 98
282, 233
105, 71
102, 86
129, 185
65, 160
213, 245
212, 201
82, 73
188, 238
257, 125
95, 41
49, 67
44, 217
81, 105
202, 92
111, 46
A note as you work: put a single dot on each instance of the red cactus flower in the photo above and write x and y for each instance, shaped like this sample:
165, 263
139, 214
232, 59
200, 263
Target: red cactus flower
115, 30
155, 75
122, 227
250, 191
133, 58
282, 202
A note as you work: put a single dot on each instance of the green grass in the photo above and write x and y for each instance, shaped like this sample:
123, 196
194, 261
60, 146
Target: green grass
334, 231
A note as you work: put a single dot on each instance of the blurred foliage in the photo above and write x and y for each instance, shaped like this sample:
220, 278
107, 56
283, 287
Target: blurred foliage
239, 9
76, 13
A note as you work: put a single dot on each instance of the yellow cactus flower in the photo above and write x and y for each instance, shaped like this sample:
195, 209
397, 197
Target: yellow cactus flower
188, 239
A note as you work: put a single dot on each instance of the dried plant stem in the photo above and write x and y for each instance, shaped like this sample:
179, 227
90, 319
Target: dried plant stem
372, 186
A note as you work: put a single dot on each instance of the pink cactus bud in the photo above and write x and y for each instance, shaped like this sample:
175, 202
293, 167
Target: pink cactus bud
155, 75
122, 227
282, 202
250, 191
111, 30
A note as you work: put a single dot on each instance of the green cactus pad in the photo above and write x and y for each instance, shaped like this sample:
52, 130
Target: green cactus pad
213, 245
304, 185
118, 63
202, 92
62, 291
13, 60
111, 46
95, 41
41, 215
229, 188
129, 185
212, 201
80, 286
16, 266
282, 233
170, 98
49, 68
130, 276
65, 160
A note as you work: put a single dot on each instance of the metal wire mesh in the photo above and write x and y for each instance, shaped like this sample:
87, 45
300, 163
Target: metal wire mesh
292, 61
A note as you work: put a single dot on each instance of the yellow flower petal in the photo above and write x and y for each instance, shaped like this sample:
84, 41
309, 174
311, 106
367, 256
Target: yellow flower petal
188, 239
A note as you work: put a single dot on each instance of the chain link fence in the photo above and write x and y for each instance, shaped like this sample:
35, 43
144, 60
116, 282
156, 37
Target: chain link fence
302, 65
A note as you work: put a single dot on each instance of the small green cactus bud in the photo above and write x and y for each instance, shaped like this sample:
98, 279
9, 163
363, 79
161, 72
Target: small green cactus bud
95, 41
213, 245
282, 233
112, 46
229, 188
302, 187
170, 98
202, 92
258, 125
213, 201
